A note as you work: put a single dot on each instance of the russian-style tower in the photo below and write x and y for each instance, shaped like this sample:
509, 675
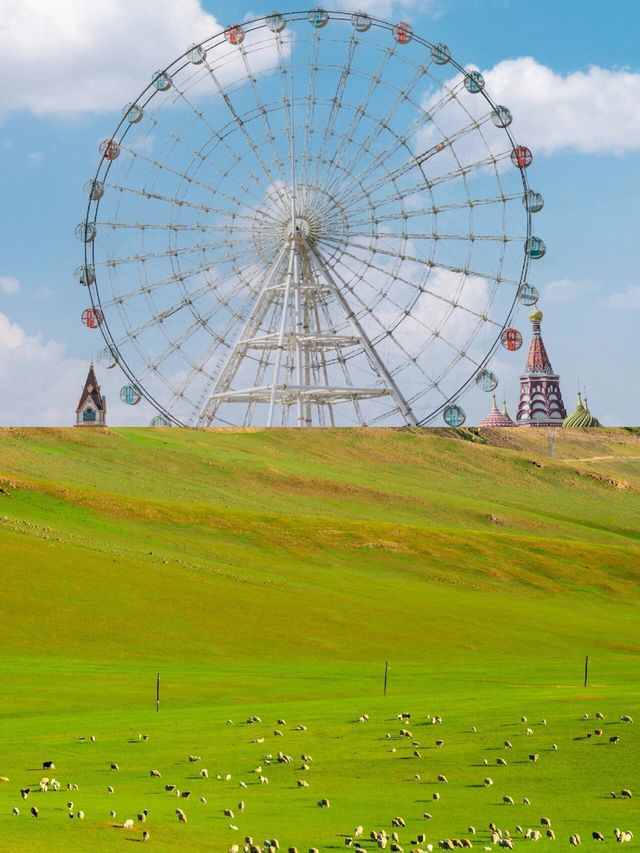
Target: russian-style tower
92, 408
540, 396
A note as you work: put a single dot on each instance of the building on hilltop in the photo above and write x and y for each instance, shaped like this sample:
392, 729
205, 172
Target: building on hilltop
497, 418
540, 396
581, 417
92, 408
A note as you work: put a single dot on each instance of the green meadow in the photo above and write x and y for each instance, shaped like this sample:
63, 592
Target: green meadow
274, 573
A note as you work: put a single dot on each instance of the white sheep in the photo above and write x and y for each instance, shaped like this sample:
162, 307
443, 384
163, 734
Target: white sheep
128, 824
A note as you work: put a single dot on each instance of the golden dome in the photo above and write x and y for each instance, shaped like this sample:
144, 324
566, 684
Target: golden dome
536, 316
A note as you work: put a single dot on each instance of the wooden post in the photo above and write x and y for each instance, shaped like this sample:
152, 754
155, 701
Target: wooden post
158, 692
386, 670
586, 670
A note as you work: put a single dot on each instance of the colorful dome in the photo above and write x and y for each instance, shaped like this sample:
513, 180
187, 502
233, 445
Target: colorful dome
537, 316
495, 418
581, 417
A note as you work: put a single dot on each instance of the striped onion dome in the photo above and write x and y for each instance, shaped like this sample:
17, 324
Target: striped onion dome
581, 417
497, 418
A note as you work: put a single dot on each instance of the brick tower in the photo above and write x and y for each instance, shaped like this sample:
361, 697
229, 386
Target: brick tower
540, 396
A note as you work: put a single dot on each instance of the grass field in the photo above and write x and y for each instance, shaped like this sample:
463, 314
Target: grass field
274, 573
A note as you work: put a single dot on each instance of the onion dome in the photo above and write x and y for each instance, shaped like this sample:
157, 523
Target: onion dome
536, 316
581, 417
497, 418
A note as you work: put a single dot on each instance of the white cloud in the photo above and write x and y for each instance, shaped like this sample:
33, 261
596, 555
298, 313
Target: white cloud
565, 290
629, 298
40, 383
9, 285
381, 8
35, 158
70, 56
593, 112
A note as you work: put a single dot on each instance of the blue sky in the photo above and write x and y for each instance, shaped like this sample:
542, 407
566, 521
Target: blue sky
569, 71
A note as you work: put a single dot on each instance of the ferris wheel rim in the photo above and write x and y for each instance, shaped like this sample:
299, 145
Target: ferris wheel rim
124, 127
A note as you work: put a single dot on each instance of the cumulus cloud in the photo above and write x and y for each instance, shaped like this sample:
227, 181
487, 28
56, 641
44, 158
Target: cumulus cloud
628, 299
71, 56
593, 112
40, 383
38, 380
564, 290
382, 8
9, 285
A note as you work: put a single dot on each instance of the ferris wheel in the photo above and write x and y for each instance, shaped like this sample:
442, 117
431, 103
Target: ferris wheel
313, 218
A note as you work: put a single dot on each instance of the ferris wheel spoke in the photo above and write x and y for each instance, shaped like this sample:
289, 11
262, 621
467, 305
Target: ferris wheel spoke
336, 104
379, 124
180, 203
311, 98
238, 122
189, 180
463, 271
241, 126
435, 209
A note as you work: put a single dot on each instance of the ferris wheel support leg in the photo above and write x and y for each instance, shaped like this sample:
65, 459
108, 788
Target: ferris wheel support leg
283, 324
368, 347
230, 366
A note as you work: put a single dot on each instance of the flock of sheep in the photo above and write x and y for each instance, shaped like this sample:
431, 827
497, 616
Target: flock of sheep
391, 834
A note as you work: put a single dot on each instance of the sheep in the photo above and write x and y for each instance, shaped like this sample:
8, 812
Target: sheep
185, 795
445, 844
614, 739
48, 765
16, 811
155, 774
435, 795
110, 789
442, 778
302, 783
145, 835
551, 834
597, 732
501, 762
508, 801
228, 813
300, 728
507, 744
24, 792
427, 816
554, 746
142, 816
194, 758
545, 821
112, 813
506, 842
529, 731
534, 756
625, 793
114, 766
304, 757
574, 840
243, 784
203, 801
439, 743
597, 836
323, 803
128, 824
599, 716
625, 718
182, 818
277, 733
81, 815
169, 788
525, 801
523, 719
471, 830
263, 780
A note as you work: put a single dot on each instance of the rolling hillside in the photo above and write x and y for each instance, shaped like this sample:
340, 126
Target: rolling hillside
329, 545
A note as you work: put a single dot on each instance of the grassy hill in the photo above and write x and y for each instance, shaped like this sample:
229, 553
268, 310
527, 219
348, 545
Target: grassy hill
279, 570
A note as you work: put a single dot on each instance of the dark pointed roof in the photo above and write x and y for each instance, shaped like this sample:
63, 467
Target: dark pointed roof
538, 361
91, 389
